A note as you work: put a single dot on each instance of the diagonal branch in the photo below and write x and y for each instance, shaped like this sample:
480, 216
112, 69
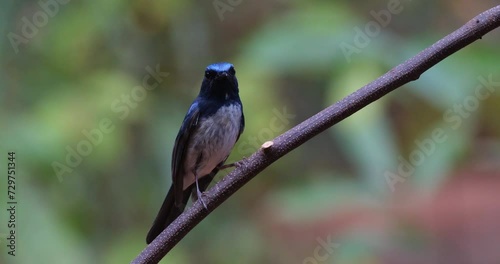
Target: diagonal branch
408, 71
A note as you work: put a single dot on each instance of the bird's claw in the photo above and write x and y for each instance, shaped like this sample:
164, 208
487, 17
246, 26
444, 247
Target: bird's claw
200, 197
236, 164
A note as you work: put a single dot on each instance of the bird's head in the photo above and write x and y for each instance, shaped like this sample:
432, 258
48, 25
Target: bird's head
220, 82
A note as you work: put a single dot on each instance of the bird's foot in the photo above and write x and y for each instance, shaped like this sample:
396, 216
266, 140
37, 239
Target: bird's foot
234, 164
200, 197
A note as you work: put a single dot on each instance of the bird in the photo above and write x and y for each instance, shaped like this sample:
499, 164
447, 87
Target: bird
211, 128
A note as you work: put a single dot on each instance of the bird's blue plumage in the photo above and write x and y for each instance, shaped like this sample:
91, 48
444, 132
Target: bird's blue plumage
220, 67
212, 125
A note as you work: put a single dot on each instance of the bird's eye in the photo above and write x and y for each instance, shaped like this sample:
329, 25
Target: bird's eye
209, 74
232, 71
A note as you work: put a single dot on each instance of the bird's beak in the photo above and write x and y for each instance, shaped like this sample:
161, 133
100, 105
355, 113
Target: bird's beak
222, 75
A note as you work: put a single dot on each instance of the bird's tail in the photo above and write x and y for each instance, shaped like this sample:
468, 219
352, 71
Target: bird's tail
167, 214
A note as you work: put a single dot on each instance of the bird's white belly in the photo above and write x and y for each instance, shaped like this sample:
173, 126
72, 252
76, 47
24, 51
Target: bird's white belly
214, 140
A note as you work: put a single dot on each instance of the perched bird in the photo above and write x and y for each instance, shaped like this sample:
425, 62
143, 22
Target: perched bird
212, 125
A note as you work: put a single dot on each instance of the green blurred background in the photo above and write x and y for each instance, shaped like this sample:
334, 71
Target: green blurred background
64, 75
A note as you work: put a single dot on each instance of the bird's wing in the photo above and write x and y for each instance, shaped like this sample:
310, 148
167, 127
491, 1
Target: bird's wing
189, 125
242, 123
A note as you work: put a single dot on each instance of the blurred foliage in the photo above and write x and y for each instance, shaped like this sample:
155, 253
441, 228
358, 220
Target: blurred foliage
84, 57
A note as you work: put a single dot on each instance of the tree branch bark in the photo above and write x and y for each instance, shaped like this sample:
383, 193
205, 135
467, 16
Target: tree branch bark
408, 71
